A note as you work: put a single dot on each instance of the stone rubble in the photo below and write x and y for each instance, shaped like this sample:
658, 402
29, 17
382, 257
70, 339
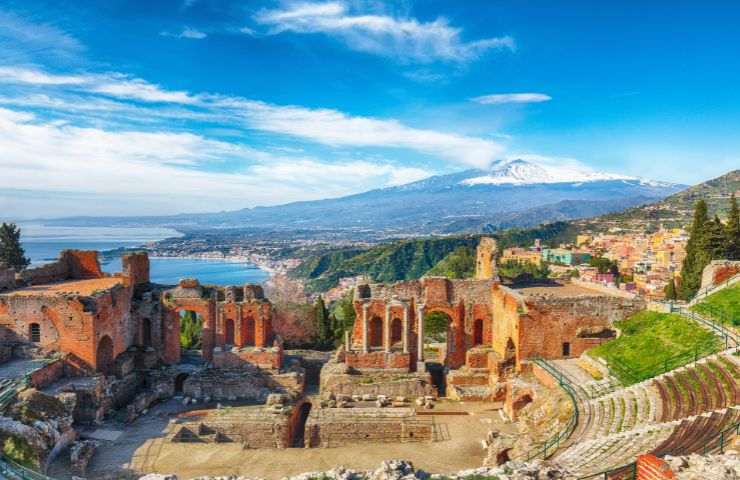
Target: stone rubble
702, 467
404, 470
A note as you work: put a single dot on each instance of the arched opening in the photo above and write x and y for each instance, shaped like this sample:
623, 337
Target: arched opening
191, 330
180, 382
375, 333
299, 428
229, 332
248, 332
34, 333
104, 355
146, 332
396, 331
478, 332
436, 335
566, 349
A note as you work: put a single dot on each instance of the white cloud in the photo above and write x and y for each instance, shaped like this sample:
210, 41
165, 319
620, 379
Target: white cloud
187, 32
405, 39
23, 41
331, 127
37, 77
247, 31
500, 98
137, 89
172, 171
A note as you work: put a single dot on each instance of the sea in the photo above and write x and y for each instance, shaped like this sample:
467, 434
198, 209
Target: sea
43, 243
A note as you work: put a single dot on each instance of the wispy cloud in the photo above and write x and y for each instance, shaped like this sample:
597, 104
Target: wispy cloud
37, 77
169, 169
499, 98
323, 126
23, 41
402, 38
187, 32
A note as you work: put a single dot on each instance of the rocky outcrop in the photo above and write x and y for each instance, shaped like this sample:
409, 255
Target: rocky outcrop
403, 470
701, 467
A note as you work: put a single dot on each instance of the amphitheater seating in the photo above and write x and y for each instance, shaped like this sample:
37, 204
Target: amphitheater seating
676, 413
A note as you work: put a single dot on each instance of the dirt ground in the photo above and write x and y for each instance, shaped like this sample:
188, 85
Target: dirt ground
142, 449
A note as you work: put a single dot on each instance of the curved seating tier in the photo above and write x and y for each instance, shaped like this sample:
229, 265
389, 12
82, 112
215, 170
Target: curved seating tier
676, 413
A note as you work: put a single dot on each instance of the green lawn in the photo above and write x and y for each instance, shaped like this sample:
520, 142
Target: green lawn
652, 343
723, 306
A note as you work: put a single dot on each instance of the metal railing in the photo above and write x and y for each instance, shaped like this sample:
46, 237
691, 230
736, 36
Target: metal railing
13, 470
552, 444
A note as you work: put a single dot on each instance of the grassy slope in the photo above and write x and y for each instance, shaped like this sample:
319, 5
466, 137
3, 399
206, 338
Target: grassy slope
723, 306
649, 340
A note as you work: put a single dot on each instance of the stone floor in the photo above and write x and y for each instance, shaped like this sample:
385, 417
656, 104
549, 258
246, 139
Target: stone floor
17, 368
142, 448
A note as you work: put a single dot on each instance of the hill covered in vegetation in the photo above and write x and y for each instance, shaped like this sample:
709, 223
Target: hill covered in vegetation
411, 259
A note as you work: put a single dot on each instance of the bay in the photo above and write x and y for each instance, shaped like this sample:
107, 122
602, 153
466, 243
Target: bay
43, 244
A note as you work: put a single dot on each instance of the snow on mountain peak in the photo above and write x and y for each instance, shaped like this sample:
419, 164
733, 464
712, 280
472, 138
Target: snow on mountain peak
523, 172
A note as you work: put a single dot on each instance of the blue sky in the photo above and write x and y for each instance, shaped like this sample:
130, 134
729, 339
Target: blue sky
125, 107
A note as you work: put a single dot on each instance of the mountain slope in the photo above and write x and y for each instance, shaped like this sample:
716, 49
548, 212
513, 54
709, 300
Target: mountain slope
675, 210
511, 193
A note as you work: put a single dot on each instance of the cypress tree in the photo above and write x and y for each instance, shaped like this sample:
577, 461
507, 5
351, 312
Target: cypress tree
696, 253
670, 290
11, 251
732, 229
716, 240
323, 323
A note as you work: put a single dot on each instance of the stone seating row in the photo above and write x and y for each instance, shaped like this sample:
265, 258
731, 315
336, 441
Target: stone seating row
677, 413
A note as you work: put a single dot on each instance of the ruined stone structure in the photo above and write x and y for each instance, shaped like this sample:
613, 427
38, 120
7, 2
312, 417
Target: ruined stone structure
492, 330
72, 307
555, 321
232, 317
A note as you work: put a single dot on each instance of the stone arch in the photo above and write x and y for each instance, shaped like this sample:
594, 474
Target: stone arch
146, 332
375, 332
249, 332
104, 355
478, 332
396, 331
180, 382
229, 331
34, 332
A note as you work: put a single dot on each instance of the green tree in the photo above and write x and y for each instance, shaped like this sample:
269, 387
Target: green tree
458, 264
523, 272
191, 330
697, 256
323, 323
11, 251
716, 239
670, 290
436, 325
604, 265
732, 229
343, 313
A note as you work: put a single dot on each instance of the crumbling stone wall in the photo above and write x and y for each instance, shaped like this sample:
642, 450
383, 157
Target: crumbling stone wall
331, 427
542, 325
72, 264
231, 317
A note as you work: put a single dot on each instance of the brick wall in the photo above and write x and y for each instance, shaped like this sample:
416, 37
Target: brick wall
650, 467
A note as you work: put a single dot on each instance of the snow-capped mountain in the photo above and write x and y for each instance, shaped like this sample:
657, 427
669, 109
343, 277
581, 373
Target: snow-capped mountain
512, 193
522, 172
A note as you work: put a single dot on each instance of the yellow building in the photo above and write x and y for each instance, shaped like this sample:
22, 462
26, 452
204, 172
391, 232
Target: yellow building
521, 255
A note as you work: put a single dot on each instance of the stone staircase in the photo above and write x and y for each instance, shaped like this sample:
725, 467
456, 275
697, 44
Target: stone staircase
676, 413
